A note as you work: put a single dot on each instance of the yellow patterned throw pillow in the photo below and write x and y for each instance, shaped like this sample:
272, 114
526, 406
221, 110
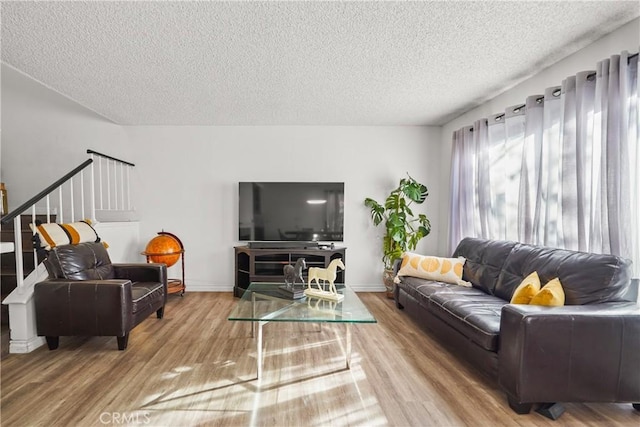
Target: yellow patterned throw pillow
53, 234
448, 270
529, 286
551, 294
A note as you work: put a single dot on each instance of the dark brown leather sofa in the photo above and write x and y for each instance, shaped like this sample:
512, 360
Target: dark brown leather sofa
87, 295
585, 351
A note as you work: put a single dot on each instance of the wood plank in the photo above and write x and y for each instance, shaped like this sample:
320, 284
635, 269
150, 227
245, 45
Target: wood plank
196, 368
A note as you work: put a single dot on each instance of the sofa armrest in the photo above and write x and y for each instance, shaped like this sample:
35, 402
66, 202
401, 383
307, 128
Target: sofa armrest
396, 266
579, 353
83, 307
142, 272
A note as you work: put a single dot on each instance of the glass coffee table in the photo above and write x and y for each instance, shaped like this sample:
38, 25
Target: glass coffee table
265, 302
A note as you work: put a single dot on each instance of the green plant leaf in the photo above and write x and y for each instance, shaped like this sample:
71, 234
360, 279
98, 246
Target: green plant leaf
396, 220
398, 235
393, 201
377, 211
369, 202
403, 229
416, 192
396, 254
408, 210
413, 242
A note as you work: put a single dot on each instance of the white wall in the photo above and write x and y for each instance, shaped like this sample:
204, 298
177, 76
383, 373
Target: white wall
187, 176
626, 37
45, 135
188, 180
123, 239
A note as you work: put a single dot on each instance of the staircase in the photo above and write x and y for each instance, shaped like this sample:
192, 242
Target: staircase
8, 279
99, 187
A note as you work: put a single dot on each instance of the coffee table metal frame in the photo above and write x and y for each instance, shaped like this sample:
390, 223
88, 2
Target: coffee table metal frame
269, 292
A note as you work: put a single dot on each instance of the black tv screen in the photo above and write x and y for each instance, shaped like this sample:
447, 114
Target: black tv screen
291, 211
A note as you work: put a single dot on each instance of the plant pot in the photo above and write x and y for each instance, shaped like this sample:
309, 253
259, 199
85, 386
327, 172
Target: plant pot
387, 279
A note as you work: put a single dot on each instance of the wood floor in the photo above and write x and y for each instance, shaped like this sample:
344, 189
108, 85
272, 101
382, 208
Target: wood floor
196, 368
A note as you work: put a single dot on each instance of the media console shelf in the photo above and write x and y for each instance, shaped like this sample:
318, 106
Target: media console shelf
266, 265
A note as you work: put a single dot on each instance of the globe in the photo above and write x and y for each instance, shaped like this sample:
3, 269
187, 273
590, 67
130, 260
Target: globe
163, 249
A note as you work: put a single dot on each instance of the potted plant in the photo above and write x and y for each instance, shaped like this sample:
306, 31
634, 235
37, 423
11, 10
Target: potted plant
403, 229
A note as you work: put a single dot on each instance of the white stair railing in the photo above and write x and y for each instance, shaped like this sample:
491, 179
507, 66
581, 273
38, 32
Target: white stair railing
70, 197
113, 183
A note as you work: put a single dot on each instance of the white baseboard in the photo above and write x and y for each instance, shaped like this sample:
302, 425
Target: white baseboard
26, 346
368, 288
202, 286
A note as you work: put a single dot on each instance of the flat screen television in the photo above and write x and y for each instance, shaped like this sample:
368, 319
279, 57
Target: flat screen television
291, 211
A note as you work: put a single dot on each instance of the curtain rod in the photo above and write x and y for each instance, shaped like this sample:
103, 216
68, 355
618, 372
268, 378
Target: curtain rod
556, 93
591, 76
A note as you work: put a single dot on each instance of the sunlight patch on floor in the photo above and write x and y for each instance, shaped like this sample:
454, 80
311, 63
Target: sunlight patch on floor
307, 379
293, 349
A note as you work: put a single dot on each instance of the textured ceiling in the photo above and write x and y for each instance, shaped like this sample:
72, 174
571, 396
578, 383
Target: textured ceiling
294, 63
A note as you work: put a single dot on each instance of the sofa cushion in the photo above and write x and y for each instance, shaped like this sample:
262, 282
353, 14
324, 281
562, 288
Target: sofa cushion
477, 317
485, 259
422, 289
586, 278
146, 294
86, 261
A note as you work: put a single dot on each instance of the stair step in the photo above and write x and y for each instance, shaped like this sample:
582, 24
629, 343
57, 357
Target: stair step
25, 220
4, 314
27, 242
7, 285
8, 262
6, 247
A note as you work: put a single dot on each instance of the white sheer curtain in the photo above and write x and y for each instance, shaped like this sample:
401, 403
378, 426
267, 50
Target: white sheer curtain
559, 170
462, 183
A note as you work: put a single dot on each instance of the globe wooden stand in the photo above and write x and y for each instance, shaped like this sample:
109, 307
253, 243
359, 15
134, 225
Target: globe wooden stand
174, 286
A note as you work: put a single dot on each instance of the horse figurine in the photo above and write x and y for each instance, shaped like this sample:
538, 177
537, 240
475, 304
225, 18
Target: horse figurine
293, 272
326, 275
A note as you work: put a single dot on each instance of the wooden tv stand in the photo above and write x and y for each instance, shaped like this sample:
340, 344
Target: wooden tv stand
266, 265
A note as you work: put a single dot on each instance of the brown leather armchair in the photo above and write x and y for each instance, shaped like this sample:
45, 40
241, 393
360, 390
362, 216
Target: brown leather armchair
87, 295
